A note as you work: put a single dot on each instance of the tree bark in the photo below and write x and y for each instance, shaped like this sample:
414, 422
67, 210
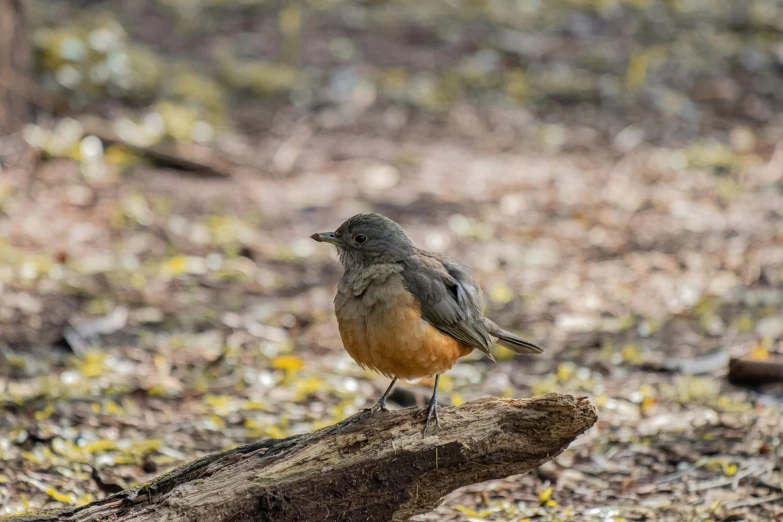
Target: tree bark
365, 468
14, 63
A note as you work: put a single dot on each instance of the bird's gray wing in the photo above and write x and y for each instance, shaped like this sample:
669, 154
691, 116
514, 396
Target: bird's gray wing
449, 298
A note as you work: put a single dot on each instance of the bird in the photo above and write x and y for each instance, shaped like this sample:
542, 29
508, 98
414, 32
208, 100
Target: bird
407, 313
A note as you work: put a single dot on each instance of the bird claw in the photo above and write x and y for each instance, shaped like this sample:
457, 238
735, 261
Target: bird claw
432, 409
379, 406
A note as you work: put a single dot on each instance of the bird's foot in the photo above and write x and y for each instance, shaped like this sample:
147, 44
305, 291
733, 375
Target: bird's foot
379, 406
432, 409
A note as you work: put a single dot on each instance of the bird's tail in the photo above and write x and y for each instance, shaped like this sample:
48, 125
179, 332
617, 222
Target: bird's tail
511, 341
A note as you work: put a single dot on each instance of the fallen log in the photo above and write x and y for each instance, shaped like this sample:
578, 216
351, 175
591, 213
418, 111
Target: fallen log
745, 371
365, 468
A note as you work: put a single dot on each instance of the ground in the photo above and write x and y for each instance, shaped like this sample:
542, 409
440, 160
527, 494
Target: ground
150, 316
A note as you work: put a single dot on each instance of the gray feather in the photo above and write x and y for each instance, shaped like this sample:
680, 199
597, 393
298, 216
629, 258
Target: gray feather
510, 340
449, 298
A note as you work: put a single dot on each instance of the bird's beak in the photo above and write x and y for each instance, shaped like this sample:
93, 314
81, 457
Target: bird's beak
326, 237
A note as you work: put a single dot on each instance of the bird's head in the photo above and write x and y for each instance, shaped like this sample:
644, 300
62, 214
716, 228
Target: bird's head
367, 239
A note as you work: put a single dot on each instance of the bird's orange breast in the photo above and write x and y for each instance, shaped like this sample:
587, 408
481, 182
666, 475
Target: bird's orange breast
383, 330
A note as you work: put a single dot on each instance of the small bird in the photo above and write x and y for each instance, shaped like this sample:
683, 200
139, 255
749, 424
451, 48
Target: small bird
405, 312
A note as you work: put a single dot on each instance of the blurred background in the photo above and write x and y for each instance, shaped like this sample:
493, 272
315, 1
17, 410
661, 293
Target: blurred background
610, 170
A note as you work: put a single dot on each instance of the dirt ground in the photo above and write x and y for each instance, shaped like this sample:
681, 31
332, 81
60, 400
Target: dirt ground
149, 316
229, 335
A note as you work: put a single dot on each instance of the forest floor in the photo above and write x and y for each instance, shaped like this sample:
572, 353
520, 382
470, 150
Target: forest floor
215, 325
149, 316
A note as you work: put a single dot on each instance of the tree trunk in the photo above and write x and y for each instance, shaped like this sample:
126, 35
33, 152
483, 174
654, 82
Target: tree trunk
365, 468
14, 63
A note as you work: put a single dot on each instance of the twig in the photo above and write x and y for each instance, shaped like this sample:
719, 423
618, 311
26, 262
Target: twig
676, 475
189, 157
730, 481
754, 502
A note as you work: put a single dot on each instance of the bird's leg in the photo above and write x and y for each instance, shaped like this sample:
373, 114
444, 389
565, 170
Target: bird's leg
381, 404
433, 407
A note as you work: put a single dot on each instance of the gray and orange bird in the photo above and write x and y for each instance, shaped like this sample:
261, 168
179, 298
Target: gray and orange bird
405, 312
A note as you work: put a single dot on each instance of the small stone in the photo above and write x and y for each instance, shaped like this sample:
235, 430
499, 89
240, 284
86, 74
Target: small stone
770, 327
380, 176
79, 195
629, 138
577, 323
743, 140
513, 204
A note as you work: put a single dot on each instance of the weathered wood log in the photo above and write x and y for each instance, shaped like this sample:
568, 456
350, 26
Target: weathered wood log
368, 468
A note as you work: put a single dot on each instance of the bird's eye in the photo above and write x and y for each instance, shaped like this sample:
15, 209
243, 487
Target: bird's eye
360, 239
